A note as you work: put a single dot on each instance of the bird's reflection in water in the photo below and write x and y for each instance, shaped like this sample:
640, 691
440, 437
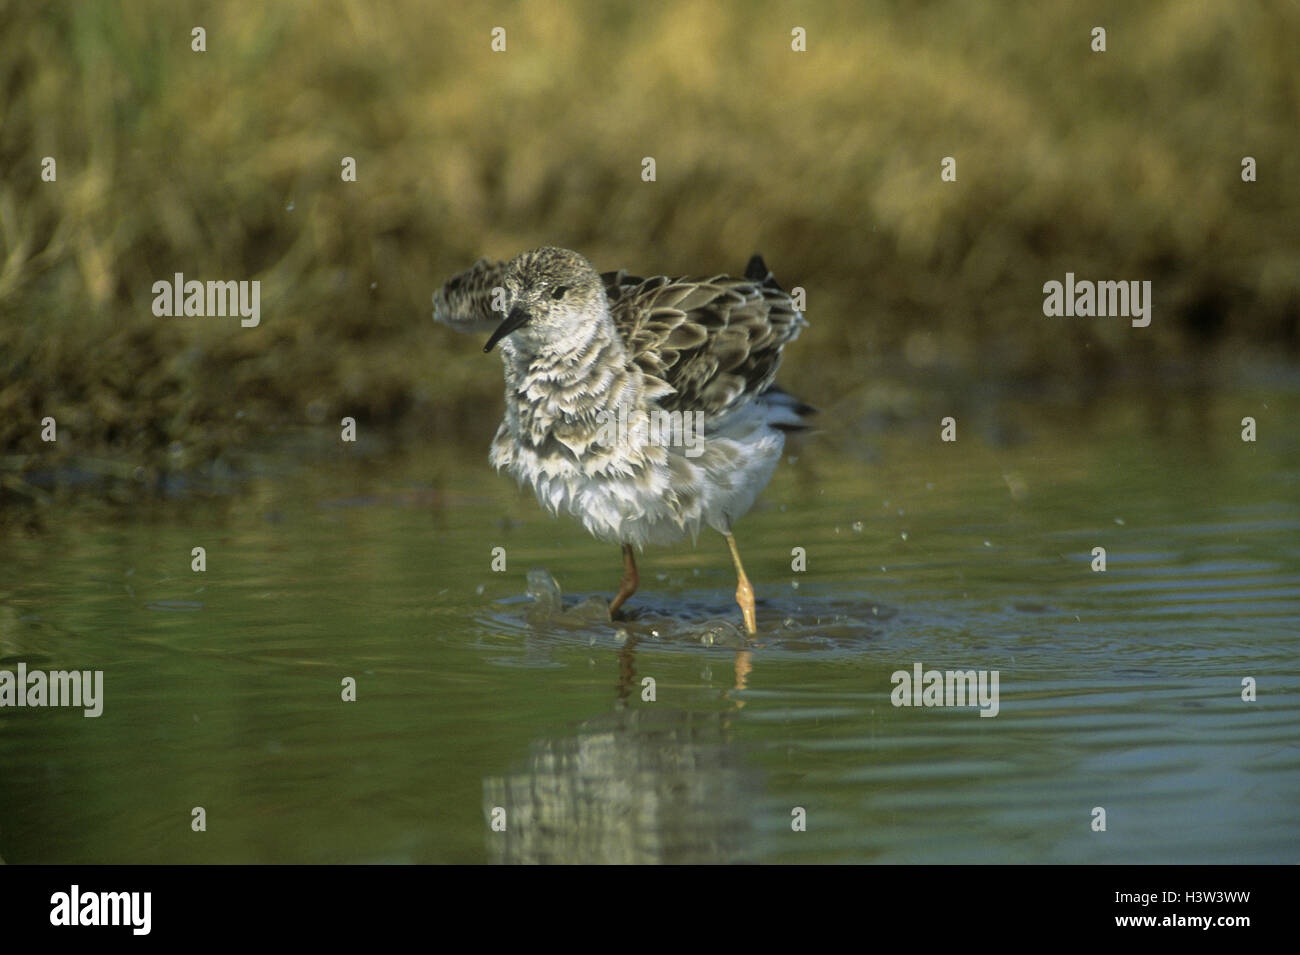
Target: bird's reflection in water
627, 683
643, 784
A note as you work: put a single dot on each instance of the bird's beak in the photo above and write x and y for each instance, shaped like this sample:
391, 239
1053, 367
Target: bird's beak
515, 319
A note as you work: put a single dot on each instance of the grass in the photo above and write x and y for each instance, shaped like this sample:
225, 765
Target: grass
225, 164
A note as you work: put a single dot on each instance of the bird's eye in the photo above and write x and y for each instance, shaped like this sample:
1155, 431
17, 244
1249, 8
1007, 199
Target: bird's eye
558, 291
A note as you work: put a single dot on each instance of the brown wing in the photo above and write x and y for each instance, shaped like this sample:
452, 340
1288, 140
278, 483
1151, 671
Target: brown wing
715, 343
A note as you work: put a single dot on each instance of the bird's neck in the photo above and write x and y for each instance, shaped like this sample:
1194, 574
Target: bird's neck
569, 383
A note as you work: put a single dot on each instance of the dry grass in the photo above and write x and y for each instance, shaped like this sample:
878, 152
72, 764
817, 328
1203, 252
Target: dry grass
226, 165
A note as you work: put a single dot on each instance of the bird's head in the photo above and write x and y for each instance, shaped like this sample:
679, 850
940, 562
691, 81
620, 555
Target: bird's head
552, 297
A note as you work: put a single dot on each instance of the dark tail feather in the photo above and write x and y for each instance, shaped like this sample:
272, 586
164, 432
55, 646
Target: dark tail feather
757, 271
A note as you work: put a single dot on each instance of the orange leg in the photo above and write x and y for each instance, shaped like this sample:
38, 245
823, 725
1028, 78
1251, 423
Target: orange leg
744, 592
627, 586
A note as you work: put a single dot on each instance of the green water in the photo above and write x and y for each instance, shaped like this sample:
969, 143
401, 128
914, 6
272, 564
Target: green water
1119, 689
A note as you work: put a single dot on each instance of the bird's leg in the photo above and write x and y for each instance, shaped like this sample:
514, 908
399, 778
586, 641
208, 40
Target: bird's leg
744, 592
626, 586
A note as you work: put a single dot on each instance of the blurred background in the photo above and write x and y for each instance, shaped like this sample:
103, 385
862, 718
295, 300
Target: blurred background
226, 164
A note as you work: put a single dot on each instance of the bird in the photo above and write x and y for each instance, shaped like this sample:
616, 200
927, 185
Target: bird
584, 353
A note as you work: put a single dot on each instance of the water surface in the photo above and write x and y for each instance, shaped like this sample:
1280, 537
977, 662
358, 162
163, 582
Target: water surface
478, 690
